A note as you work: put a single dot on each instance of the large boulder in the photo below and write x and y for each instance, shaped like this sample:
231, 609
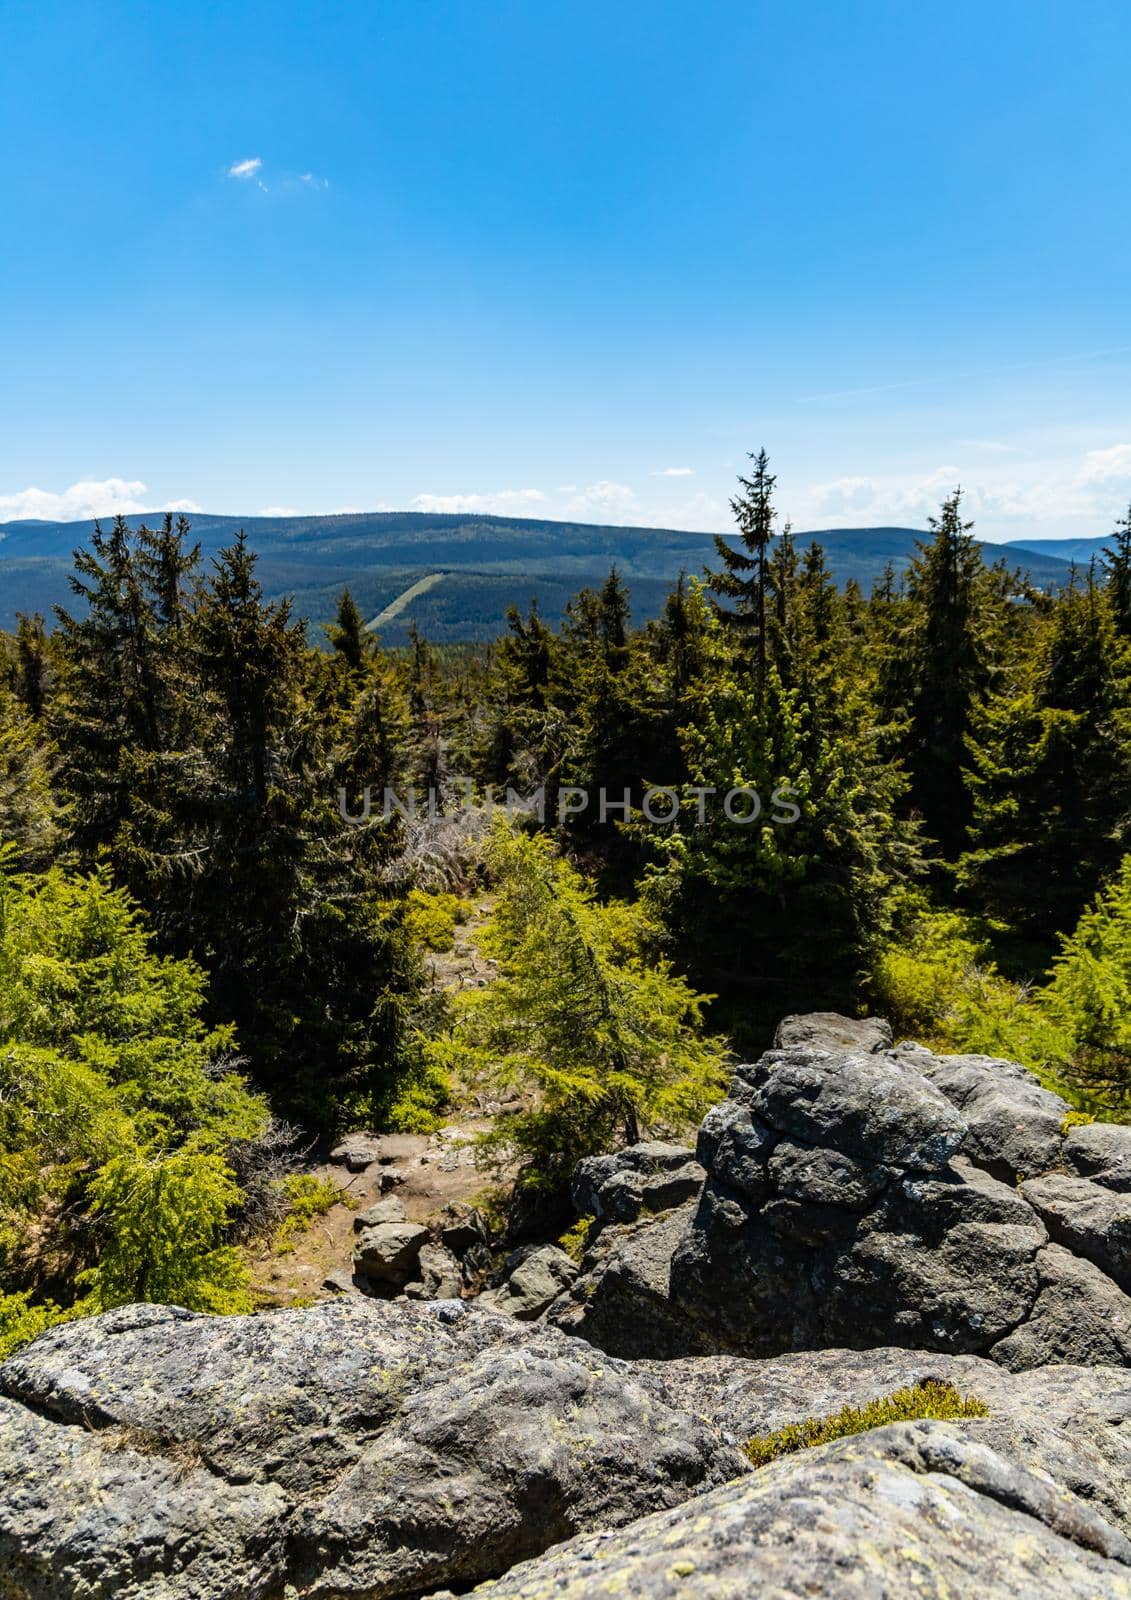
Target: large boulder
388, 1251
389, 1449
352, 1448
869, 1196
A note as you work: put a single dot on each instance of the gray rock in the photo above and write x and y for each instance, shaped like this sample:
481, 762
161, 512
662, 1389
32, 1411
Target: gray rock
735, 1147
869, 1107
343, 1281
357, 1151
84, 1514
440, 1275
1078, 1316
1015, 1126
1087, 1219
622, 1300
826, 1030
1100, 1151
825, 1176
912, 1509
464, 1229
380, 1449
651, 1176
534, 1284
387, 1252
382, 1211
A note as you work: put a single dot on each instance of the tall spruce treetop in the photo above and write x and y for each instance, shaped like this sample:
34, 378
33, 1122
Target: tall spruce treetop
351, 644
743, 577
940, 656
1117, 571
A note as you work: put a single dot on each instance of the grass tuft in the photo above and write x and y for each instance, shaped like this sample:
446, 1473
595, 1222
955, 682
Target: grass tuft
940, 1402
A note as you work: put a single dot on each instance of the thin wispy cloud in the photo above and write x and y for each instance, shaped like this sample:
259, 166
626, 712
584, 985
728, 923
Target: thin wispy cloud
675, 472
244, 170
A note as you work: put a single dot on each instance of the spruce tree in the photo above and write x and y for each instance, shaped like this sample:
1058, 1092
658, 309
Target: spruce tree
1051, 772
780, 903
351, 644
743, 577
1117, 572
937, 671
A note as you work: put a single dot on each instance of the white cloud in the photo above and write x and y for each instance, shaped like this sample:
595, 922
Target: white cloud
279, 511
505, 502
1046, 494
604, 501
1102, 466
675, 472
91, 497
246, 169
844, 495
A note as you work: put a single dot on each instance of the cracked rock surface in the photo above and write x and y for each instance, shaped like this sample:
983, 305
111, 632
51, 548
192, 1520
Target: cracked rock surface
363, 1448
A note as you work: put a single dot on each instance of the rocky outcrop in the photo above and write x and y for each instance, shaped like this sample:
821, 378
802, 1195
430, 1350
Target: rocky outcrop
856, 1219
357, 1448
910, 1509
374, 1449
861, 1195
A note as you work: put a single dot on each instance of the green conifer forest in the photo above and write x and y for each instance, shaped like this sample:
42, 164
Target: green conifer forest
226, 845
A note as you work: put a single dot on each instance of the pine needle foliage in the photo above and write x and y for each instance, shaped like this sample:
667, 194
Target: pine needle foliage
602, 1036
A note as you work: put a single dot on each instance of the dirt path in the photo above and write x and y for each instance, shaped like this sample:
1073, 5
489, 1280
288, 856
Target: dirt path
434, 1171
425, 1171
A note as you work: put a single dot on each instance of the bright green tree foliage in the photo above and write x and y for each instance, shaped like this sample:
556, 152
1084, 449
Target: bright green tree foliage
118, 1109
606, 1037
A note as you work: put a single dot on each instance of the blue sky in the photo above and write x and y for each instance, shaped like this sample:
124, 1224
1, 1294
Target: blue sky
560, 257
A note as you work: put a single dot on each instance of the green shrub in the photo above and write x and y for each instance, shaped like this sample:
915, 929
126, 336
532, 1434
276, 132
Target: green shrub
575, 1240
600, 1036
22, 1319
936, 982
307, 1197
117, 1111
938, 1401
431, 919
162, 1221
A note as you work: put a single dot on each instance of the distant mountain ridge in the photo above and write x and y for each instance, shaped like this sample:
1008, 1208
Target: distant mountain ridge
477, 565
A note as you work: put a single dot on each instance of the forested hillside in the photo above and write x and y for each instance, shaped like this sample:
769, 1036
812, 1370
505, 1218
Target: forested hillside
457, 574
779, 793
